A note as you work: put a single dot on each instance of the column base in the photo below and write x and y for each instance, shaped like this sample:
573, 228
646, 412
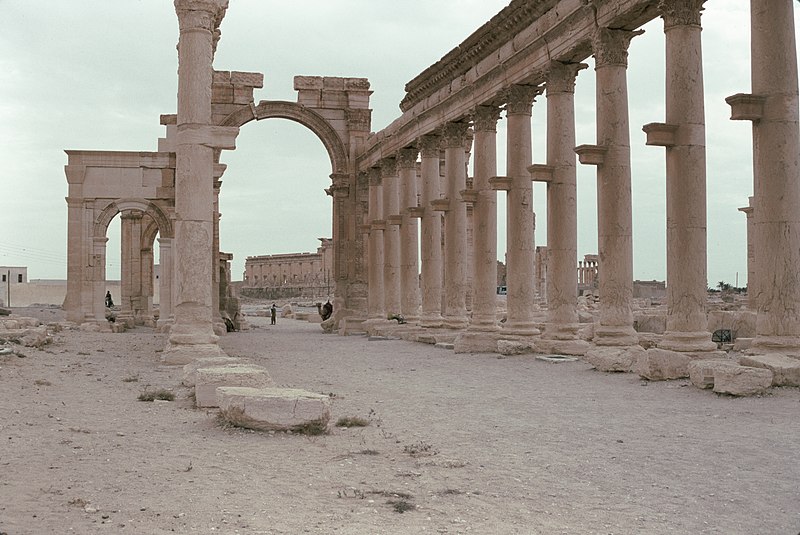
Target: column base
685, 342
178, 355
522, 329
561, 331
455, 322
573, 347
476, 342
615, 335
483, 325
431, 321
788, 345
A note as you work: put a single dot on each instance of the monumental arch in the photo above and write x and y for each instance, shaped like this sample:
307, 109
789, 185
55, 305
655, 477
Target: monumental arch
386, 184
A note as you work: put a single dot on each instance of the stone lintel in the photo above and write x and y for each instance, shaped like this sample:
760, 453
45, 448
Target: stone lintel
469, 195
500, 183
541, 173
660, 134
591, 154
441, 205
746, 107
394, 220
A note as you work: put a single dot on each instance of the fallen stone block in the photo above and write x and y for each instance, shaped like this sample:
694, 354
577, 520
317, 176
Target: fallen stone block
514, 347
742, 381
785, 370
190, 370
701, 371
742, 344
662, 364
613, 359
475, 342
207, 380
279, 409
36, 337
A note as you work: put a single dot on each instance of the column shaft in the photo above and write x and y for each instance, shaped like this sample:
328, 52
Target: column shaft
391, 236
431, 234
409, 241
455, 254
375, 301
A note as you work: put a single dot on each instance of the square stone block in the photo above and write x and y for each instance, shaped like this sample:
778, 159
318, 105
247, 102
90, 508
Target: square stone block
207, 380
785, 370
742, 380
701, 372
614, 359
273, 408
661, 365
190, 370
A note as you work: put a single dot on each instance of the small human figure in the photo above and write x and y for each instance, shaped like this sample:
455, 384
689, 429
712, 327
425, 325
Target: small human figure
327, 310
109, 301
273, 313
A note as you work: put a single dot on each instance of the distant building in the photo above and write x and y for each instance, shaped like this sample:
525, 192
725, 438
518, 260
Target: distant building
10, 276
290, 275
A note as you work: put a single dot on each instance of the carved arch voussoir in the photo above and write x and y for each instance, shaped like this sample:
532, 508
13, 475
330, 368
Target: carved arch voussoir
278, 109
114, 207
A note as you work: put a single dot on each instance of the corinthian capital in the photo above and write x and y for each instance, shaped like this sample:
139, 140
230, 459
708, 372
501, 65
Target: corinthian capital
388, 167
680, 12
610, 47
520, 98
375, 176
561, 76
485, 118
454, 135
200, 14
407, 158
429, 145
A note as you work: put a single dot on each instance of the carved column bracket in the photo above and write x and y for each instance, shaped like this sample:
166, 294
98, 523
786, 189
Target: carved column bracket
396, 220
500, 183
591, 154
541, 173
660, 134
469, 195
440, 205
415, 211
746, 107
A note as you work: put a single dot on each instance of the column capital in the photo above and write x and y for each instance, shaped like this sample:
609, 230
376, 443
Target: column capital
388, 167
485, 118
680, 12
429, 145
374, 176
200, 14
454, 135
561, 76
131, 214
520, 98
610, 47
407, 158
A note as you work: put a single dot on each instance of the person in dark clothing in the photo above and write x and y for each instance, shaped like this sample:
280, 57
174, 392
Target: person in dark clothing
273, 313
327, 310
109, 301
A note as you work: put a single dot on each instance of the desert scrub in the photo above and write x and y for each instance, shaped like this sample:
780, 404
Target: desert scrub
352, 421
161, 394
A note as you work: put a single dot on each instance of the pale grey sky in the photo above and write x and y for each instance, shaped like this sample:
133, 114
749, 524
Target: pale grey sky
95, 75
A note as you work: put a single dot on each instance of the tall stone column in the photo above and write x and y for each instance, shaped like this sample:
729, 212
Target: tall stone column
391, 236
484, 231
431, 233
751, 259
192, 335
562, 211
612, 156
98, 274
773, 108
683, 135
165, 282
521, 300
375, 301
216, 316
455, 254
409, 241
131, 269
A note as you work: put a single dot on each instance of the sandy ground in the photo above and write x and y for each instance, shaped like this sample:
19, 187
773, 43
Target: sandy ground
474, 443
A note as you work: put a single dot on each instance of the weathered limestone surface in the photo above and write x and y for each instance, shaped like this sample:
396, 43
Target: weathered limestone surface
190, 370
515, 347
742, 381
476, 342
273, 408
702, 371
742, 323
662, 364
614, 359
785, 370
207, 380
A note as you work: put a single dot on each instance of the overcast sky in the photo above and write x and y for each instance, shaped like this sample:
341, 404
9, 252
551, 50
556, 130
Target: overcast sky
95, 75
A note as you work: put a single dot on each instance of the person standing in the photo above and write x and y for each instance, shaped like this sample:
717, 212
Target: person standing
273, 313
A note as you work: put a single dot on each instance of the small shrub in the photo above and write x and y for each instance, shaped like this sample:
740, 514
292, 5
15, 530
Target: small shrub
312, 428
131, 379
420, 448
160, 394
42, 382
352, 421
401, 506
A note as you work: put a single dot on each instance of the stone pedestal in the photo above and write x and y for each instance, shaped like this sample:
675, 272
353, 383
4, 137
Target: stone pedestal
520, 268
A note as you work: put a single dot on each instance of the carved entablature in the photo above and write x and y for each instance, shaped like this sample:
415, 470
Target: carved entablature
485, 118
429, 145
610, 47
407, 158
680, 12
520, 98
454, 135
561, 76
388, 167
359, 119
375, 178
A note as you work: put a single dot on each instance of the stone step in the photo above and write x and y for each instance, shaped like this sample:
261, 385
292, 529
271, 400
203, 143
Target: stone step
207, 380
190, 370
